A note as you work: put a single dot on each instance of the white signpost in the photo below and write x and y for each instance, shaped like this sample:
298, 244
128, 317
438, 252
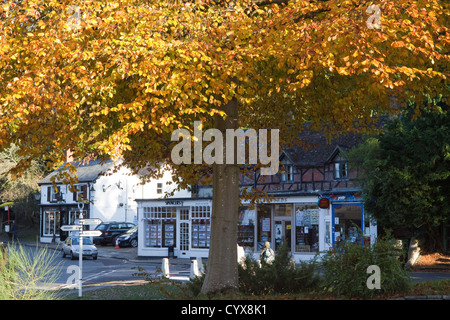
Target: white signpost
91, 233
71, 227
88, 221
82, 233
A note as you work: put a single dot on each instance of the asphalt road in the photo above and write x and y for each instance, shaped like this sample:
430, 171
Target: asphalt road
105, 271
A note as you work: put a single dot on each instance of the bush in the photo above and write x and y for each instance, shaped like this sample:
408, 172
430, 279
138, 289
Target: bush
280, 277
24, 275
345, 269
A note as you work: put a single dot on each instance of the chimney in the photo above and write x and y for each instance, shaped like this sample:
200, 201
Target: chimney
69, 156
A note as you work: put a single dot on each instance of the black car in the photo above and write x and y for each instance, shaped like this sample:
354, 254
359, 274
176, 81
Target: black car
129, 238
110, 231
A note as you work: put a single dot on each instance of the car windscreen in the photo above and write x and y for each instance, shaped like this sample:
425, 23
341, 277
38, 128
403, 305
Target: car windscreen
86, 241
101, 227
132, 230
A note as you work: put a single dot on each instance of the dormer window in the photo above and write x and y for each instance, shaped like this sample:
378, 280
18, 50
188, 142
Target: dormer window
287, 174
340, 168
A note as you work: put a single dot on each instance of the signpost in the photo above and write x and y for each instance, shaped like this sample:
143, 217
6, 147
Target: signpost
90, 221
82, 233
91, 233
74, 227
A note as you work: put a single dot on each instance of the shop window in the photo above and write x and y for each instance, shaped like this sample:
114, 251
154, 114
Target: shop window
306, 228
74, 215
160, 226
264, 226
201, 226
348, 226
246, 228
51, 223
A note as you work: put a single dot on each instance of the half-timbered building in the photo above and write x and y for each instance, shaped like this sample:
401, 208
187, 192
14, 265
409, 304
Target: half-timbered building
314, 201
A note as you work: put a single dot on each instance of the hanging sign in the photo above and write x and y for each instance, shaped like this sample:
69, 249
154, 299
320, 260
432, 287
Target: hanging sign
324, 203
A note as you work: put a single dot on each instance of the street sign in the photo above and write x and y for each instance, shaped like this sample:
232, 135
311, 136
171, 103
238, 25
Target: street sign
89, 221
90, 233
72, 227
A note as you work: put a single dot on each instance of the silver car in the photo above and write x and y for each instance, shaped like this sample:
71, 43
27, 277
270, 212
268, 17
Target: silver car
71, 247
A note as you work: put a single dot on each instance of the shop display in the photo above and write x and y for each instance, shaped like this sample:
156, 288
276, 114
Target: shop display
169, 235
160, 234
246, 235
306, 229
201, 233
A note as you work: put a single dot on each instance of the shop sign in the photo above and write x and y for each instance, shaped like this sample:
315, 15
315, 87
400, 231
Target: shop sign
174, 203
324, 203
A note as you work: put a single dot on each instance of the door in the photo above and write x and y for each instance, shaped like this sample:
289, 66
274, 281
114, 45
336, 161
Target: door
183, 230
283, 233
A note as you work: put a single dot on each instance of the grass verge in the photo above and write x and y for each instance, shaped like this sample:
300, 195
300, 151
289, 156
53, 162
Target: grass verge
168, 291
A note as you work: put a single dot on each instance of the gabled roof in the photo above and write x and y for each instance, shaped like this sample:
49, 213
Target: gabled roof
86, 171
317, 150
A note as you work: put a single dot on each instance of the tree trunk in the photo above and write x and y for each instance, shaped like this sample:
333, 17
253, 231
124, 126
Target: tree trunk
222, 273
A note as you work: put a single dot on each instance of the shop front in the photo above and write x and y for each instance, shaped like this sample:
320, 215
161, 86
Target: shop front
53, 217
296, 222
184, 226
179, 227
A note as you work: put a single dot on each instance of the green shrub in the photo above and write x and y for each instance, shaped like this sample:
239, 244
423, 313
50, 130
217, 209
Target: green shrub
25, 275
280, 277
345, 269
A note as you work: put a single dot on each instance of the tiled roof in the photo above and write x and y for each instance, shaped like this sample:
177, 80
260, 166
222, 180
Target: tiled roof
86, 172
317, 150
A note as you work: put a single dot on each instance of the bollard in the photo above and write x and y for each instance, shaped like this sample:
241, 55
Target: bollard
194, 269
200, 266
241, 255
165, 267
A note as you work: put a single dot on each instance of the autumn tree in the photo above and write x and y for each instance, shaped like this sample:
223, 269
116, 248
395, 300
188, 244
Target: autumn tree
116, 78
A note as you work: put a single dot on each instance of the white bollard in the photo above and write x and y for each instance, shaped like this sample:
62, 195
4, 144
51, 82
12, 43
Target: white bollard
165, 267
194, 269
200, 266
240, 255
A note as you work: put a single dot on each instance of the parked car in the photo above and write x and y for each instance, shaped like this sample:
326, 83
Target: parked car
110, 231
129, 238
71, 247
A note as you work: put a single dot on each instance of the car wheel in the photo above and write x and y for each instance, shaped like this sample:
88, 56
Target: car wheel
94, 257
72, 257
63, 253
134, 243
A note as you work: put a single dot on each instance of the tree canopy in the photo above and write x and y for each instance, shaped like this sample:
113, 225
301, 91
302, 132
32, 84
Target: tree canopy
116, 78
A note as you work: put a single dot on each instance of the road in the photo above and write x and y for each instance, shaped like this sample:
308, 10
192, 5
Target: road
104, 271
